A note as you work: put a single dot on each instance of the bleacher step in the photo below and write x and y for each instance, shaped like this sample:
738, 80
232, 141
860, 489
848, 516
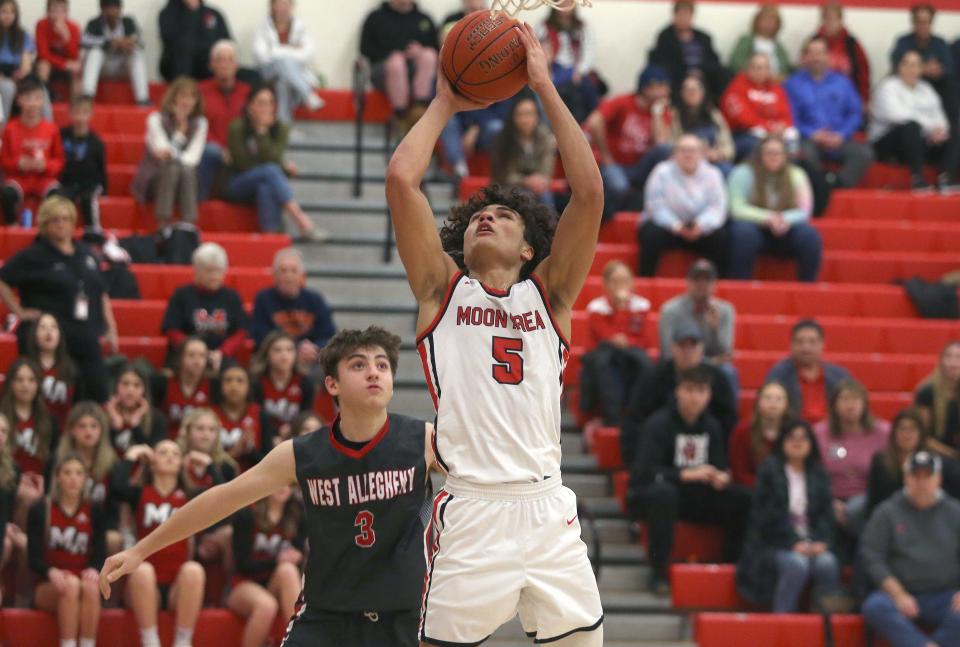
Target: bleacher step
655, 628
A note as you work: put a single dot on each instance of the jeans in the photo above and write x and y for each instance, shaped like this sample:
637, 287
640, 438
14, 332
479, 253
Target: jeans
795, 570
267, 186
748, 240
210, 164
654, 240
855, 158
113, 65
451, 138
882, 616
293, 83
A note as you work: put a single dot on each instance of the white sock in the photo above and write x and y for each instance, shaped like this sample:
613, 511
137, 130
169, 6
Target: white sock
88, 642
149, 637
183, 637
69, 642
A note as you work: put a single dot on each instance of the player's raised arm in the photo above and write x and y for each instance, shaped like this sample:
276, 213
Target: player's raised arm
565, 270
278, 468
429, 269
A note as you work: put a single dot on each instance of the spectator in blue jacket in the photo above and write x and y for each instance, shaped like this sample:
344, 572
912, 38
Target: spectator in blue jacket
827, 111
939, 65
293, 308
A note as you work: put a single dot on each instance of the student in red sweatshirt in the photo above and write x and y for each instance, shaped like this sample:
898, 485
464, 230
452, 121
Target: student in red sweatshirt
31, 154
755, 106
58, 46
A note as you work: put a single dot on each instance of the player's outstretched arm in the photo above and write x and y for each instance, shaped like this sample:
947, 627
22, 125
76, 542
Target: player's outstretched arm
429, 269
278, 468
565, 270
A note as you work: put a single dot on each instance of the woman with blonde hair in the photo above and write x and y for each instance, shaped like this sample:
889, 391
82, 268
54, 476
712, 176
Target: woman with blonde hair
938, 401
762, 39
176, 135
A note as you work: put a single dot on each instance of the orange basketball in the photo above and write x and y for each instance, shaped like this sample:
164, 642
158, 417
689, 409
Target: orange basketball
484, 58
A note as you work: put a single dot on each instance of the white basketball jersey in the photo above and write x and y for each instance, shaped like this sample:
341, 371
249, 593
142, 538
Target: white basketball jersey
494, 364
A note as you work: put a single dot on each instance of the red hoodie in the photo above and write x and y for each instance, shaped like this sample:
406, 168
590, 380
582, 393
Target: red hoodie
747, 105
51, 47
42, 140
848, 58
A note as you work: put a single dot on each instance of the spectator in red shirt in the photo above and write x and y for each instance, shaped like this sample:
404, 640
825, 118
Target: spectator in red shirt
846, 55
31, 155
617, 341
755, 106
58, 47
632, 135
753, 439
224, 97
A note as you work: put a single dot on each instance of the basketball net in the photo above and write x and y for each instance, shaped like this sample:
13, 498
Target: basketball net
513, 7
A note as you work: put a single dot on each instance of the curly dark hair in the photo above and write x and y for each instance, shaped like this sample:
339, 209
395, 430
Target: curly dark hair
539, 223
346, 342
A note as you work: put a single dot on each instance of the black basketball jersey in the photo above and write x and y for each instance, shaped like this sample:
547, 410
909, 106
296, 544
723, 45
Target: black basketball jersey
363, 518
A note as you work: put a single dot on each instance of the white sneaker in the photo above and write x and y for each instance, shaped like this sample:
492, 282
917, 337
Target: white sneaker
314, 102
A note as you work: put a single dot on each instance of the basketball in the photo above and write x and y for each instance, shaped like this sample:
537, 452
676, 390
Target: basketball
483, 57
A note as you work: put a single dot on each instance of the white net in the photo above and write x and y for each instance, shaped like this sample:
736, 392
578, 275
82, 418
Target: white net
513, 7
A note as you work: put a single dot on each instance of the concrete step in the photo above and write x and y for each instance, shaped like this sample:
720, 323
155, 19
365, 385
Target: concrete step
333, 133
622, 578
605, 508
364, 292
586, 485
344, 225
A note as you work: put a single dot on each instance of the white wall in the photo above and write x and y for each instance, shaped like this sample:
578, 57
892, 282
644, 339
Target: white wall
625, 28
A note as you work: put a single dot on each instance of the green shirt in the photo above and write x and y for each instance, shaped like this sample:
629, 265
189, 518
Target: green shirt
247, 151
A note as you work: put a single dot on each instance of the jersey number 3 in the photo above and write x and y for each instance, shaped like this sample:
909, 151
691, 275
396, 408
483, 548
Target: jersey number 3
508, 367
365, 537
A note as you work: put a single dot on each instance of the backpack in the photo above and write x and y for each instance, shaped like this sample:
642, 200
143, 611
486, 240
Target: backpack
176, 243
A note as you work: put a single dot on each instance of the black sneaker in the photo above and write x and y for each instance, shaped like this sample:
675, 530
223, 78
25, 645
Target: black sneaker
659, 585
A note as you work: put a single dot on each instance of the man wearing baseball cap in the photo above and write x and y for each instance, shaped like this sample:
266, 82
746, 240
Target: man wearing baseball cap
911, 552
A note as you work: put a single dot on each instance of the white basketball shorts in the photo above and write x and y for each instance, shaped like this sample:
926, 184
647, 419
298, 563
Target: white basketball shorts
495, 551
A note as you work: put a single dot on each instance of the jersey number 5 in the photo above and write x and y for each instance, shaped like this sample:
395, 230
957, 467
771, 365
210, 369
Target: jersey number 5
365, 537
508, 367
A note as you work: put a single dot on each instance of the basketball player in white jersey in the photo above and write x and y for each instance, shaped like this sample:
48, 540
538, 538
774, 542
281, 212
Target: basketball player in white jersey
495, 290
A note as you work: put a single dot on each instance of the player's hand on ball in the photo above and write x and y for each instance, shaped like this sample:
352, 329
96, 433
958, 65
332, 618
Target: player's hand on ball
116, 566
538, 71
456, 102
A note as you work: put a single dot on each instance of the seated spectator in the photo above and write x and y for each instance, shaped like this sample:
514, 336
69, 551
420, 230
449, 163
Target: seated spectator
17, 54
525, 151
938, 65
293, 308
400, 42
790, 534
570, 48
850, 436
809, 380
681, 49
828, 113
47, 346
685, 206
241, 430
279, 386
188, 30
756, 107
132, 417
56, 275
257, 144
762, 39
187, 388
715, 318
224, 97
467, 7
284, 51
268, 545
84, 175
770, 205
113, 45
938, 400
632, 135
908, 124
680, 472
694, 112
168, 579
176, 135
67, 546
31, 153
58, 48
753, 439
657, 387
911, 553
616, 357
206, 308
472, 132
844, 51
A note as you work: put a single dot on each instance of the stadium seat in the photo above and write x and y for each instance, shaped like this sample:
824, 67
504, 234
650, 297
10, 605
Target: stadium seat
159, 281
760, 630
606, 447
122, 212
473, 183
119, 92
693, 542
704, 586
108, 120
119, 179
124, 149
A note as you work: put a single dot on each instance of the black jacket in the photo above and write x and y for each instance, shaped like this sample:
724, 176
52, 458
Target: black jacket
212, 316
94, 33
883, 483
386, 31
655, 389
188, 36
668, 54
86, 166
770, 529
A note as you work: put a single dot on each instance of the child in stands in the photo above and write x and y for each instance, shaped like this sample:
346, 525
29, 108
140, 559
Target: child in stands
268, 547
48, 348
86, 435
66, 550
241, 430
84, 176
168, 579
31, 154
133, 419
279, 387
34, 433
58, 47
188, 387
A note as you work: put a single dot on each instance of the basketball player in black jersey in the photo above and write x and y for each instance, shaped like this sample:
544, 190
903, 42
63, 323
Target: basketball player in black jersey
363, 483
